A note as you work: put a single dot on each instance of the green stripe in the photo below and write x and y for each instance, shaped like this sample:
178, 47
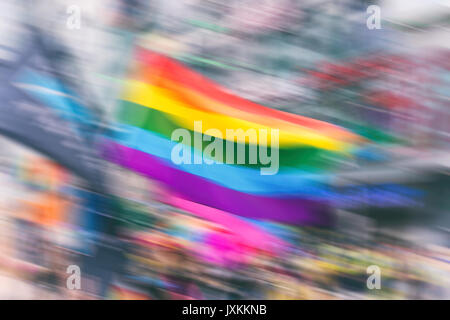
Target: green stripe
305, 157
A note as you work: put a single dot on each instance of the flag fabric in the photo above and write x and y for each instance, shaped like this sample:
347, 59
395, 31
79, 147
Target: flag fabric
35, 125
40, 112
161, 96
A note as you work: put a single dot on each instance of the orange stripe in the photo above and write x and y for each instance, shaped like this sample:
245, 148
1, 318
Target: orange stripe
165, 72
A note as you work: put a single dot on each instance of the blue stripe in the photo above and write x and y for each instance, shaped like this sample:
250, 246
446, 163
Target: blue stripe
243, 179
67, 107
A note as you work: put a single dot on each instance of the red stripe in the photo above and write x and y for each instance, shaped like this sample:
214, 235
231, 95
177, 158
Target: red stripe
162, 66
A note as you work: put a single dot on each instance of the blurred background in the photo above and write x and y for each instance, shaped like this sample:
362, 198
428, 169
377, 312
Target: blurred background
64, 200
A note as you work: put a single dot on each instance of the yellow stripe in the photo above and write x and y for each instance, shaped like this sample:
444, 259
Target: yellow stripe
163, 100
210, 105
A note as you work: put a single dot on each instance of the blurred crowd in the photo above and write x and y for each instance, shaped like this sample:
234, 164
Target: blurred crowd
161, 252
314, 58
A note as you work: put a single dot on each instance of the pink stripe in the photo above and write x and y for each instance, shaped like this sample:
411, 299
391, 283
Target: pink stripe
252, 235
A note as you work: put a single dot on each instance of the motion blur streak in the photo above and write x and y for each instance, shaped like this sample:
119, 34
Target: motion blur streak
93, 205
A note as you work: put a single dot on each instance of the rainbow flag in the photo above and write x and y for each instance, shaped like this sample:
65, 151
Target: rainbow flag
162, 96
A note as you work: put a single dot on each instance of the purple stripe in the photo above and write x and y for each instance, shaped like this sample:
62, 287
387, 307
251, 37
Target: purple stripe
286, 210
